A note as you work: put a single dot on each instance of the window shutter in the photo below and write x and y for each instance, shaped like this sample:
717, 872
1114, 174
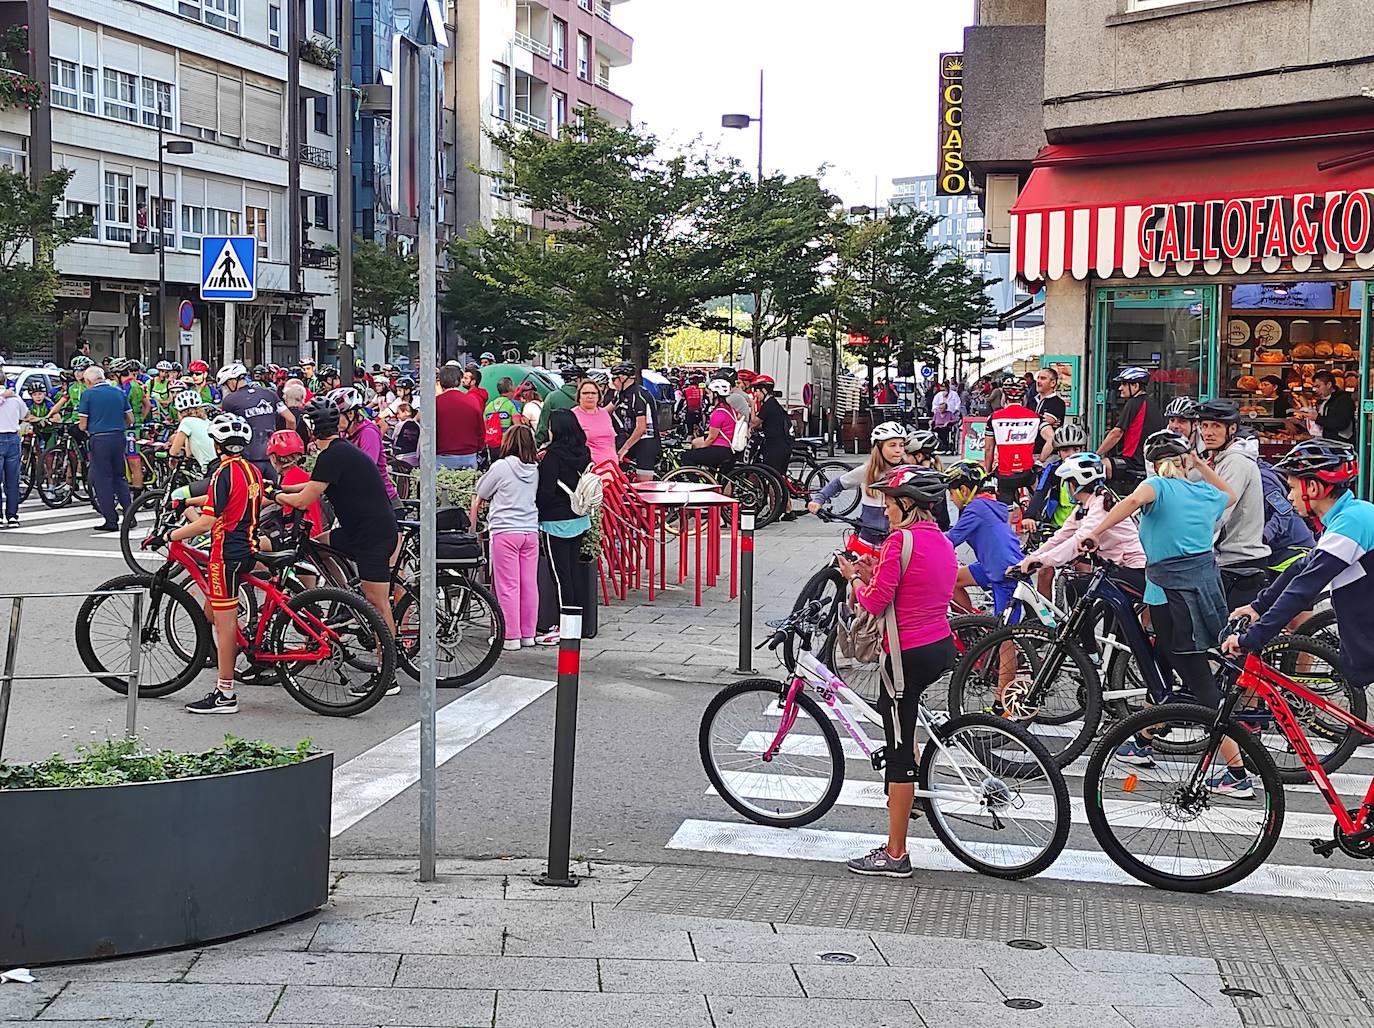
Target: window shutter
262, 115
230, 107
199, 98
225, 195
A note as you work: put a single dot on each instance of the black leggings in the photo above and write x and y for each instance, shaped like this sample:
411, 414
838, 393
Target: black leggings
1192, 668
715, 457
921, 667
569, 577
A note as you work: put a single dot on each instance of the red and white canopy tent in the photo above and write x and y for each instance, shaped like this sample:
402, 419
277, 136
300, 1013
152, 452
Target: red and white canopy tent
1281, 195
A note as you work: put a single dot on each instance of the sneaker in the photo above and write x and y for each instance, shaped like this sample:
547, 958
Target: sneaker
105, 528
1232, 782
1137, 753
881, 864
365, 688
547, 639
215, 702
12, 522
395, 690
511, 644
527, 641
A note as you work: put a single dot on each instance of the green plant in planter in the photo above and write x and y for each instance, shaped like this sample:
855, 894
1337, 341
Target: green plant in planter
125, 761
591, 541
19, 91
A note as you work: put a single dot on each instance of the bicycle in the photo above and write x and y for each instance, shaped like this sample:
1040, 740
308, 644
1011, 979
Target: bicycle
1162, 830
330, 648
64, 470
772, 750
752, 484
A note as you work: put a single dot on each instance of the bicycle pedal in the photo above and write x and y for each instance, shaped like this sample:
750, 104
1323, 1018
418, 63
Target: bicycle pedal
1324, 847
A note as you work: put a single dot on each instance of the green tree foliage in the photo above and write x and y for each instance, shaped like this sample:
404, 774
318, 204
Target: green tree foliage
30, 234
386, 283
490, 305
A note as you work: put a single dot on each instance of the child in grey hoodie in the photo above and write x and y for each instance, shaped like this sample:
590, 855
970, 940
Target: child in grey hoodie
513, 523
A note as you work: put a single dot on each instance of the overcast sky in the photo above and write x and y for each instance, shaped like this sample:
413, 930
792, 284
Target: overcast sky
847, 83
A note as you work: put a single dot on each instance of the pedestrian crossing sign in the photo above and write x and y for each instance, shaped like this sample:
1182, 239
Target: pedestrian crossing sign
228, 268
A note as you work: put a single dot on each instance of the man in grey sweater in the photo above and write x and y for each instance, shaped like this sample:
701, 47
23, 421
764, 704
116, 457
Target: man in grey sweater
1241, 552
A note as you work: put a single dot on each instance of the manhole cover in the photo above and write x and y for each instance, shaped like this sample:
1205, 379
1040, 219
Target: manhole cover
1239, 993
1023, 1004
1025, 944
837, 957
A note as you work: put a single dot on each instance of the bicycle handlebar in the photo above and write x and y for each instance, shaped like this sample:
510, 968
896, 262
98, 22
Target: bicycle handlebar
830, 517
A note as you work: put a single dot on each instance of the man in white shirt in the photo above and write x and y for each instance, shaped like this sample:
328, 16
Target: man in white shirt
12, 410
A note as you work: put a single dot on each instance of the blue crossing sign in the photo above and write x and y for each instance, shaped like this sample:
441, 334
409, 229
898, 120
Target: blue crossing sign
228, 268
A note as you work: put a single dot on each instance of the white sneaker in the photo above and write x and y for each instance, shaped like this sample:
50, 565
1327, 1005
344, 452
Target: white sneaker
527, 641
548, 638
395, 689
511, 644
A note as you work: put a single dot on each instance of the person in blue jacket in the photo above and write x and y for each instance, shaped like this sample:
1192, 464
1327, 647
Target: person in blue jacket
1321, 474
985, 524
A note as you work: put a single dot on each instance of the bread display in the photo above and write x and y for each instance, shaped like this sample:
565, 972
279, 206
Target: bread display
1303, 350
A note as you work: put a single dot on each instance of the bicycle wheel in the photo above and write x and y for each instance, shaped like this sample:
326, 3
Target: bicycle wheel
760, 487
1316, 668
142, 513
672, 516
29, 472
814, 477
55, 490
176, 637
1161, 824
1000, 672
1015, 821
846, 500
360, 665
789, 788
470, 631
828, 586
1322, 627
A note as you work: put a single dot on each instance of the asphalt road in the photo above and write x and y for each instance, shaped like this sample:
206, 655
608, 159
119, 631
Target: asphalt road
641, 794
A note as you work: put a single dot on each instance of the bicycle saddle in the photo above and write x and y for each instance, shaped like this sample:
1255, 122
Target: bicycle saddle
278, 560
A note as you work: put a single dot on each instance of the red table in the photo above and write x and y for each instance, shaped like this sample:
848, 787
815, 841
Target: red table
696, 500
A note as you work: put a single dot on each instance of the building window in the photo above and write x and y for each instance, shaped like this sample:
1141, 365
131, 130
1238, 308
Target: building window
255, 218
192, 227
168, 226
221, 222
157, 95
63, 75
500, 86
88, 89
322, 211
560, 113
118, 223
321, 115
222, 14
586, 5
560, 43
121, 95
584, 52
274, 26
77, 209
603, 74
319, 16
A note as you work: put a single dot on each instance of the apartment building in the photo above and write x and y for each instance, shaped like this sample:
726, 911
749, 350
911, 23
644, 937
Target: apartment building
249, 85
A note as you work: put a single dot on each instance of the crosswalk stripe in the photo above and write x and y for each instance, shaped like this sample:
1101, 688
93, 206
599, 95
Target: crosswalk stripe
51, 529
751, 840
57, 551
29, 517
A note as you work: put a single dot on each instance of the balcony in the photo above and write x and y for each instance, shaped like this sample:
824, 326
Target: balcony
603, 10
320, 52
316, 157
533, 45
526, 120
326, 258
603, 78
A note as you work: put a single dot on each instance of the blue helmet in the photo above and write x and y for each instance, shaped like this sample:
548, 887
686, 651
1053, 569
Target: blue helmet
1130, 373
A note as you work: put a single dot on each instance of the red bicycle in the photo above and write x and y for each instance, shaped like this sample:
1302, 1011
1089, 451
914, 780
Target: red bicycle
1187, 823
329, 647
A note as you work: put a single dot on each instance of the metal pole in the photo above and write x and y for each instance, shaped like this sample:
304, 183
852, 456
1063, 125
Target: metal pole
11, 654
746, 592
230, 334
834, 392
161, 252
135, 653
564, 749
426, 313
760, 121
343, 191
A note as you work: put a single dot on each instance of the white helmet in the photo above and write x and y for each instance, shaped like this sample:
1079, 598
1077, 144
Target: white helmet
888, 430
187, 399
345, 399
1082, 469
230, 372
231, 432
922, 440
164, 366
719, 386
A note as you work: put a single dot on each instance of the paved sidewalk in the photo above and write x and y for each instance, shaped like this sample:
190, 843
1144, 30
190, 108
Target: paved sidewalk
485, 947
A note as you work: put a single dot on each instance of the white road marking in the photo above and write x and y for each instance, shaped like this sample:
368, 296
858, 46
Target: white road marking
752, 840
34, 514
55, 527
54, 551
382, 773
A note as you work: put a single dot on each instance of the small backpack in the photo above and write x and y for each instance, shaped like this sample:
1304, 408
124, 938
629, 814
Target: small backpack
586, 497
494, 430
739, 438
860, 636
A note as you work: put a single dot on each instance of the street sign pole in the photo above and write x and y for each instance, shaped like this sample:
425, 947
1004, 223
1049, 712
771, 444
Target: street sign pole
229, 331
426, 314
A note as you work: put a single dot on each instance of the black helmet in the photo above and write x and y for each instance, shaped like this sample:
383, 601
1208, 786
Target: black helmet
728, 374
1326, 460
405, 382
295, 371
1184, 408
623, 370
572, 373
1222, 409
1164, 444
323, 417
176, 366
924, 486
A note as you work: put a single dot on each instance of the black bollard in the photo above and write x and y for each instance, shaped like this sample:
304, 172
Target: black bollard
564, 749
746, 592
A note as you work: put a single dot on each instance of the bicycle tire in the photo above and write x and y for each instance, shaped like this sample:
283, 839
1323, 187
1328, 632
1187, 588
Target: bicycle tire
1322, 627
816, 479
1088, 698
739, 802
381, 678
29, 472
758, 485
408, 643
1283, 654
688, 473
147, 503
779, 492
1047, 766
826, 582
154, 619
845, 503
55, 471
1258, 762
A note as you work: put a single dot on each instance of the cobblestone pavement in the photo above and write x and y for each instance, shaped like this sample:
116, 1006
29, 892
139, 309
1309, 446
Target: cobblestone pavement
684, 946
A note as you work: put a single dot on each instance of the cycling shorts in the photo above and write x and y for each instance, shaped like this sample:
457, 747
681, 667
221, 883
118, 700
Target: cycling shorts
1009, 486
222, 579
373, 559
1002, 591
644, 454
921, 666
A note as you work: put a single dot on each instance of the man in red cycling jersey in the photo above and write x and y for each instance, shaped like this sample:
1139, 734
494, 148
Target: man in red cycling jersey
1009, 449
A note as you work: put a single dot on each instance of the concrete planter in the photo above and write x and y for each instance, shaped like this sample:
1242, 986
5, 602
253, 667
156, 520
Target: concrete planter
111, 870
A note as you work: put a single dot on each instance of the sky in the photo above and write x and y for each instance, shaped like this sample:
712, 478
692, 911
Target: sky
851, 84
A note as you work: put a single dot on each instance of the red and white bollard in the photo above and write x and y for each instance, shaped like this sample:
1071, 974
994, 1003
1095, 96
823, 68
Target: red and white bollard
564, 749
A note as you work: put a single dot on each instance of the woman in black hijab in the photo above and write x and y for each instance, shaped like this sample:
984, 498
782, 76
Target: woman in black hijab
562, 464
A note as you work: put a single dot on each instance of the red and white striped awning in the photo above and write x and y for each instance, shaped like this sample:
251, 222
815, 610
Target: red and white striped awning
1224, 201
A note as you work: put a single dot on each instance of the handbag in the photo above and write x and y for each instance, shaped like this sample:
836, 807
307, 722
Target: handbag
860, 637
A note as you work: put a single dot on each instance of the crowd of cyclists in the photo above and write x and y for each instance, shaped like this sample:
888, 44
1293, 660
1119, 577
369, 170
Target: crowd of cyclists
1178, 502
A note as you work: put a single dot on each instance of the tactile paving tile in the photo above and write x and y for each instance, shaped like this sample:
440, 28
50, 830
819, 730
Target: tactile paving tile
1057, 921
1175, 931
940, 912
828, 907
1114, 925
1235, 933
881, 907
774, 897
996, 917
1258, 1017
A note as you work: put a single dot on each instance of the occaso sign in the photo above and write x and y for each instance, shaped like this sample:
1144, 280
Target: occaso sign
953, 179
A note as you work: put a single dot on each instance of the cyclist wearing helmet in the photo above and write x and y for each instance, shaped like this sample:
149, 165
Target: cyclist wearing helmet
922, 449
160, 388
139, 403
1181, 416
308, 373
103, 414
739, 400
562, 398
984, 523
258, 405
486, 359
192, 431
76, 385
636, 429
1138, 420
40, 411
286, 451
1012, 438
772, 421
888, 453
914, 575
713, 450
230, 515
1239, 540
199, 372
1285, 533
1322, 474
1052, 501
362, 432
693, 403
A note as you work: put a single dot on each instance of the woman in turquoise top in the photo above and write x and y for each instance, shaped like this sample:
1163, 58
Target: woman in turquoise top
1183, 585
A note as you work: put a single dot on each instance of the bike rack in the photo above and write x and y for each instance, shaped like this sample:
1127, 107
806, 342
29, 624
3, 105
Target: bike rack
8, 677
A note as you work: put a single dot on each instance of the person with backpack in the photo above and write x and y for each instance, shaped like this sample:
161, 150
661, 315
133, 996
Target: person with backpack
715, 449
561, 469
501, 413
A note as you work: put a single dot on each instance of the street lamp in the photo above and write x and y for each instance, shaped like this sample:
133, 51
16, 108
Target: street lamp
176, 146
743, 121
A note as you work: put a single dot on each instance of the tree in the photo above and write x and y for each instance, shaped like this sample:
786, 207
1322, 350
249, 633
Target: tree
636, 244
30, 234
689, 344
386, 284
490, 307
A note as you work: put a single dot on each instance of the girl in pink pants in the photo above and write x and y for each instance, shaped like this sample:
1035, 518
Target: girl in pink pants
513, 523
